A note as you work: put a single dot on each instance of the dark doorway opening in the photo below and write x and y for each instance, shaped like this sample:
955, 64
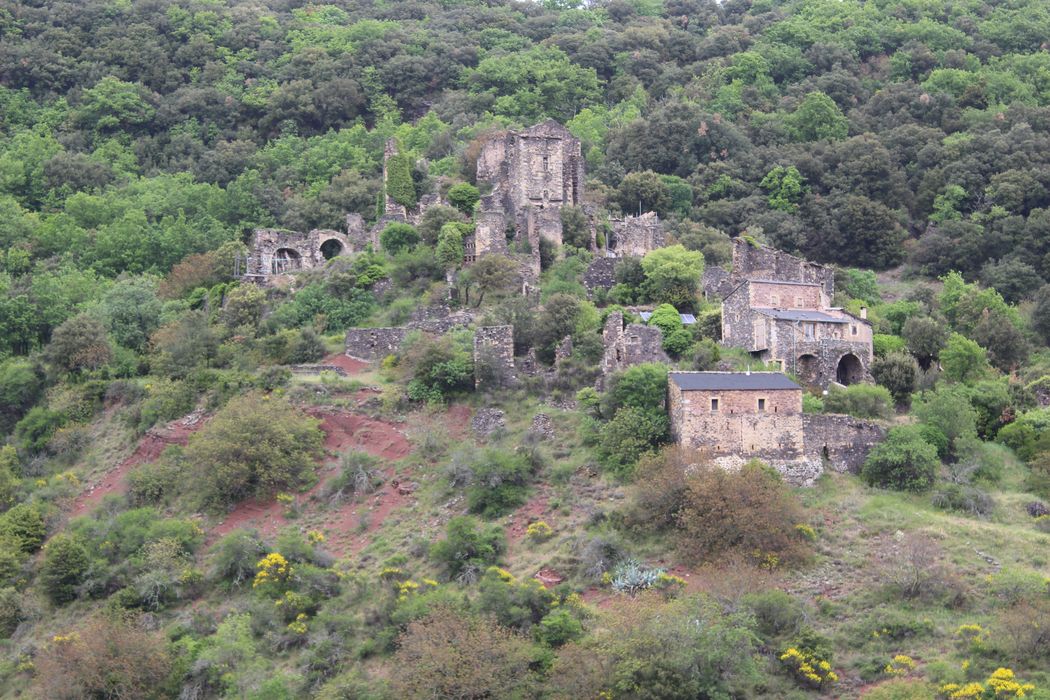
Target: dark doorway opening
285, 260
331, 248
849, 370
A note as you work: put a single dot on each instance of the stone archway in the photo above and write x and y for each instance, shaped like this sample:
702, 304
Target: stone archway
849, 370
285, 260
807, 367
331, 248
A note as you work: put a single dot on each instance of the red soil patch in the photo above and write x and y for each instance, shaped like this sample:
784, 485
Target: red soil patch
350, 364
457, 420
149, 449
529, 513
345, 535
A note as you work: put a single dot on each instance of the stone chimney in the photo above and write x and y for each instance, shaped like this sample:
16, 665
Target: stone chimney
864, 312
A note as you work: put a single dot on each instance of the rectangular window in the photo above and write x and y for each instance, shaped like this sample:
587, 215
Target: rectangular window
774, 300
798, 302
853, 330
810, 330
714, 405
761, 405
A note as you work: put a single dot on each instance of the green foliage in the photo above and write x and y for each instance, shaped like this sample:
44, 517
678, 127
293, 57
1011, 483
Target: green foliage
886, 344
399, 186
64, 567
21, 384
630, 434
25, 526
785, 186
860, 400
256, 445
131, 311
449, 249
817, 118
37, 427
963, 360
468, 548
464, 196
499, 482
897, 372
79, 344
436, 368
672, 276
904, 461
642, 386
949, 410
397, 237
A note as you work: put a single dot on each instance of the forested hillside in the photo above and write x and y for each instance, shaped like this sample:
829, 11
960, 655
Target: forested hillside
202, 495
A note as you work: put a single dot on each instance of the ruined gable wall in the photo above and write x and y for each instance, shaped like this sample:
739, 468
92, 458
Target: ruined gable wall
737, 322
637, 235
761, 262
494, 356
848, 440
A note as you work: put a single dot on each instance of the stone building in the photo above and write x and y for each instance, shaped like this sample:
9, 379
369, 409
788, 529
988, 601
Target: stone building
745, 414
634, 236
629, 345
738, 416
275, 252
779, 309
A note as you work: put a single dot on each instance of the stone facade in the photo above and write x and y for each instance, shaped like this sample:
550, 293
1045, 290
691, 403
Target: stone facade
600, 274
783, 314
842, 441
630, 345
276, 252
735, 417
634, 236
764, 423
373, 344
494, 357
528, 176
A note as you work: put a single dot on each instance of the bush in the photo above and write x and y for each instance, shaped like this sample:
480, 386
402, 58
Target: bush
904, 461
963, 498
25, 525
436, 367
397, 237
499, 482
235, 556
449, 654
104, 658
464, 196
661, 489
515, 604
469, 548
748, 512
860, 400
65, 567
898, 372
37, 427
642, 386
358, 477
256, 445
630, 434
11, 613
156, 482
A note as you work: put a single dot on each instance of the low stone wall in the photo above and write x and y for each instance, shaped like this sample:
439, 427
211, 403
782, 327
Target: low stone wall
844, 440
494, 357
374, 343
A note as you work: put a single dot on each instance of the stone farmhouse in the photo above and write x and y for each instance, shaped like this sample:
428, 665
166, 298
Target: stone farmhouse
778, 307
738, 416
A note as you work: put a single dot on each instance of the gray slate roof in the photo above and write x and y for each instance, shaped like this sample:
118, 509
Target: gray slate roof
731, 381
791, 282
802, 315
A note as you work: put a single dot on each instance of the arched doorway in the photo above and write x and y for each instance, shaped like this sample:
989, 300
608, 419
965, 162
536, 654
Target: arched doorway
808, 369
849, 370
331, 248
285, 260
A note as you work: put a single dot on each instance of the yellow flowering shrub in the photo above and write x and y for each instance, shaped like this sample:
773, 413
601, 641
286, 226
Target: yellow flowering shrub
806, 531
970, 636
298, 626
273, 570
809, 669
539, 531
669, 584
1002, 683
900, 665
315, 537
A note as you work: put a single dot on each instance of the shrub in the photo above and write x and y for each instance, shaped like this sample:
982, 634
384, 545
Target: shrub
1024, 631
898, 372
630, 434
919, 571
903, 461
104, 658
514, 604
256, 445
499, 482
64, 568
397, 237
464, 196
358, 477
11, 612
234, 557
642, 386
539, 531
776, 612
558, 628
25, 525
156, 482
963, 498
963, 360
37, 427
468, 548
451, 654
79, 344
860, 400
661, 488
748, 511
436, 367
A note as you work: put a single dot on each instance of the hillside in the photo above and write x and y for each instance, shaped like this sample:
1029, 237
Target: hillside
339, 345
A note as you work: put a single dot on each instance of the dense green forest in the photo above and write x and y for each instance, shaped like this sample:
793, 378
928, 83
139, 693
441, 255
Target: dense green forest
183, 516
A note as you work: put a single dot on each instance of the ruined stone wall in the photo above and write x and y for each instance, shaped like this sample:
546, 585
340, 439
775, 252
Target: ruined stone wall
374, 343
785, 296
277, 251
737, 324
494, 357
600, 274
845, 441
630, 345
737, 427
716, 283
634, 236
760, 262
358, 236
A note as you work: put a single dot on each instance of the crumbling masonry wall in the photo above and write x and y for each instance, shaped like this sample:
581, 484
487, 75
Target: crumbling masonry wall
752, 261
373, 344
494, 357
630, 345
277, 251
844, 441
634, 236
